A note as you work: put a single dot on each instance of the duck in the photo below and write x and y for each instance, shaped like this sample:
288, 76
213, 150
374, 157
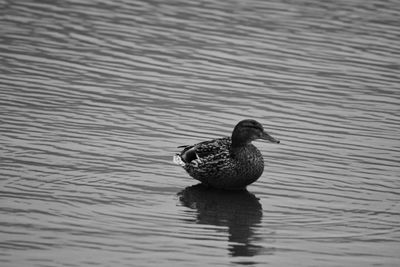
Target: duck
230, 163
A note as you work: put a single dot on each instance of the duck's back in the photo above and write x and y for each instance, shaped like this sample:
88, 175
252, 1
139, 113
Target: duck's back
216, 164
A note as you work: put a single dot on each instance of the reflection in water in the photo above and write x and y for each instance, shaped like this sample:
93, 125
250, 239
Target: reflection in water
240, 211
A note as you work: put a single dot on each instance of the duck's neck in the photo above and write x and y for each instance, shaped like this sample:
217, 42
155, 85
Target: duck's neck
239, 151
236, 145
238, 140
239, 144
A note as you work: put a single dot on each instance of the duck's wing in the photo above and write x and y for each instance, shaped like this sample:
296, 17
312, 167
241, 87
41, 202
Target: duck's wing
205, 149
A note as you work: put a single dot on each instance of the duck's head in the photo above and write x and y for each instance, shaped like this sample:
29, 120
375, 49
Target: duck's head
248, 130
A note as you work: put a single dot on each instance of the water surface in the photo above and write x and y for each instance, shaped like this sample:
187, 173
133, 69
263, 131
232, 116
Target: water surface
95, 96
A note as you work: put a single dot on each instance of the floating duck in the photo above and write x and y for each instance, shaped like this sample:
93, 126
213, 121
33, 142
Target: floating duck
227, 163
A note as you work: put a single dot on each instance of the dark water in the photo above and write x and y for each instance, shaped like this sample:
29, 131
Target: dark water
95, 96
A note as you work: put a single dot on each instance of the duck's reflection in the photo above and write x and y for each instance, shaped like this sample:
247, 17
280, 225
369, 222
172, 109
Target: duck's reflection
240, 211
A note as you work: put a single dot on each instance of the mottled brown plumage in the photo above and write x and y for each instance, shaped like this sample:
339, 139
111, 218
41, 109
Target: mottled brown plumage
229, 162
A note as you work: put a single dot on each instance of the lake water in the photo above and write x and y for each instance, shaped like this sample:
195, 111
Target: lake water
95, 96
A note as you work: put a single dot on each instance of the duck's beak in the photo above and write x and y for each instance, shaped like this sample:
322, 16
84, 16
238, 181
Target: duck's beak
266, 136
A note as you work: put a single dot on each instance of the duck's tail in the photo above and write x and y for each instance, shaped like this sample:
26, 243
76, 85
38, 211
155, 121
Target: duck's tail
178, 160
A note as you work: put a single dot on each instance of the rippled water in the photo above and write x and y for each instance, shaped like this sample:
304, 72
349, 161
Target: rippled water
95, 96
